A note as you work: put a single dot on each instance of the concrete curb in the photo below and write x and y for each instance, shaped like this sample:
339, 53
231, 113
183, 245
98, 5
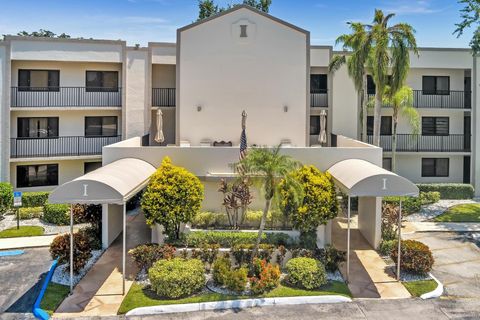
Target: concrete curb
236, 304
435, 293
38, 312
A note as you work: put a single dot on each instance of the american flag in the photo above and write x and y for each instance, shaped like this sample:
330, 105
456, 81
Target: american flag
243, 143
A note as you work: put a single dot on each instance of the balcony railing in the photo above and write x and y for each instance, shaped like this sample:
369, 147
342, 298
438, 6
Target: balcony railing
163, 97
442, 100
59, 146
65, 97
420, 143
319, 98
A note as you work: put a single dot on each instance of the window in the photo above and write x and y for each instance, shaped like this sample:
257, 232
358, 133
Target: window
435, 126
318, 83
102, 81
243, 31
37, 175
100, 126
91, 166
385, 126
38, 80
439, 85
435, 167
387, 164
370, 85
37, 127
314, 125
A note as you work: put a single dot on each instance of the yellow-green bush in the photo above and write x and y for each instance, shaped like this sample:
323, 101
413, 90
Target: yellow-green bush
173, 195
306, 273
6, 197
30, 212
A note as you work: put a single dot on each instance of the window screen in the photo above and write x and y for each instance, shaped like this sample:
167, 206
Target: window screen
435, 126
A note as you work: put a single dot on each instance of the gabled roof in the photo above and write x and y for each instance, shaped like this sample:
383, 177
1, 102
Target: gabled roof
244, 6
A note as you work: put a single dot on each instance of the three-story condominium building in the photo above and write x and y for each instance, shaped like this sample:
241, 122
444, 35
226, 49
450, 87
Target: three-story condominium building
63, 100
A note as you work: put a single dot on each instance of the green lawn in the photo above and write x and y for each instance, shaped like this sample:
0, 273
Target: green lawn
461, 213
139, 297
417, 288
54, 295
24, 231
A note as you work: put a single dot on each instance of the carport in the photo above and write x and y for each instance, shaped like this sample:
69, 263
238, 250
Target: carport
114, 183
360, 178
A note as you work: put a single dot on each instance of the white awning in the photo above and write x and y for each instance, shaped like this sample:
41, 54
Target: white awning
114, 183
360, 178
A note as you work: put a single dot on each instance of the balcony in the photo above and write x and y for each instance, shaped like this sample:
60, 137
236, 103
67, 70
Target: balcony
445, 100
29, 97
319, 99
72, 146
163, 97
419, 143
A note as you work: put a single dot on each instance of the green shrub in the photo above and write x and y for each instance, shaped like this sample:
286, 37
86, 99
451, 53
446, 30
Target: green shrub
228, 239
60, 249
145, 255
173, 196
6, 197
207, 253
330, 257
409, 204
429, 197
415, 256
221, 269
34, 199
177, 277
308, 239
243, 252
449, 190
94, 239
212, 220
207, 219
306, 273
58, 214
386, 247
236, 280
266, 278
30, 212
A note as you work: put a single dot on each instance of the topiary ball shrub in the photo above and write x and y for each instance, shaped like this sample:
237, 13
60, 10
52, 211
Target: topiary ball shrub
60, 249
177, 277
237, 279
306, 273
145, 255
415, 256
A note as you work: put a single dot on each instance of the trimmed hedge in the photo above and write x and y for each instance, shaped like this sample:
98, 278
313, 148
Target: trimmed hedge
414, 204
6, 197
228, 239
34, 199
57, 214
449, 190
30, 212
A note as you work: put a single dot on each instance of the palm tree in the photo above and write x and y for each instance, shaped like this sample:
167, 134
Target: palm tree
390, 48
402, 103
267, 167
359, 43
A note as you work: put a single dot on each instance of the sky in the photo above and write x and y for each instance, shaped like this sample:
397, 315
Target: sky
141, 21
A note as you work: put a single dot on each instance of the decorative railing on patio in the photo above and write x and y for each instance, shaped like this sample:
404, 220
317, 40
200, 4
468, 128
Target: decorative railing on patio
319, 98
65, 97
59, 146
442, 100
420, 143
163, 97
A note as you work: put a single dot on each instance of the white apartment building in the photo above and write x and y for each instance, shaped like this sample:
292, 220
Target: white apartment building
63, 100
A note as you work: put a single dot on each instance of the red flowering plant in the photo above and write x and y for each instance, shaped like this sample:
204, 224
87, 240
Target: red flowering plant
266, 276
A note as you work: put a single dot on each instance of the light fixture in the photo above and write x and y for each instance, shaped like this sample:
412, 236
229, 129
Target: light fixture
285, 108
199, 108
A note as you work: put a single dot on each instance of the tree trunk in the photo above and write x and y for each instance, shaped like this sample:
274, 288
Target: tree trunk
262, 226
394, 142
377, 118
364, 109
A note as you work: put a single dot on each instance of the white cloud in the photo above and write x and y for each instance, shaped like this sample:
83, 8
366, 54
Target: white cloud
411, 7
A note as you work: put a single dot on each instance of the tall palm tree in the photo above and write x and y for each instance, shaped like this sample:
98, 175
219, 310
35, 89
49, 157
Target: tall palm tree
402, 104
358, 41
390, 49
267, 167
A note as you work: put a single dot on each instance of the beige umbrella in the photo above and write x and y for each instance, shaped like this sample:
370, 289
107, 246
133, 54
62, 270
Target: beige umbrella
322, 137
159, 136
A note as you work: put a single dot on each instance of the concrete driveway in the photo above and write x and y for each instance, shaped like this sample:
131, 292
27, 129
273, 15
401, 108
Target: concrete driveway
20, 282
457, 262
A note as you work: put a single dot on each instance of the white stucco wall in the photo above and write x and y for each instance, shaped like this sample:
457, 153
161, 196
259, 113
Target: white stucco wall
163, 53
475, 131
442, 58
4, 112
369, 219
345, 111
225, 74
163, 76
320, 56
112, 223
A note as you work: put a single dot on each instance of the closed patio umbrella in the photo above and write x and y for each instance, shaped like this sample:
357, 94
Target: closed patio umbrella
322, 137
159, 136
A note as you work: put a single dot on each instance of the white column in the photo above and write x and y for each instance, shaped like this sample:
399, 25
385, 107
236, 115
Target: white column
348, 239
124, 245
399, 240
71, 248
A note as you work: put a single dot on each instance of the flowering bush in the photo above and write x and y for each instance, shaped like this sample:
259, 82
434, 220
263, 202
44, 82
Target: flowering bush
266, 278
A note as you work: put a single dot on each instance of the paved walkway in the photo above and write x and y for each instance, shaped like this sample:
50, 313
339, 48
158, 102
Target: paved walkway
369, 275
442, 226
99, 293
26, 242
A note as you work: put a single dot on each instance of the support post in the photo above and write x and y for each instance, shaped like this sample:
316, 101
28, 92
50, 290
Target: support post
399, 240
124, 245
348, 240
71, 248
